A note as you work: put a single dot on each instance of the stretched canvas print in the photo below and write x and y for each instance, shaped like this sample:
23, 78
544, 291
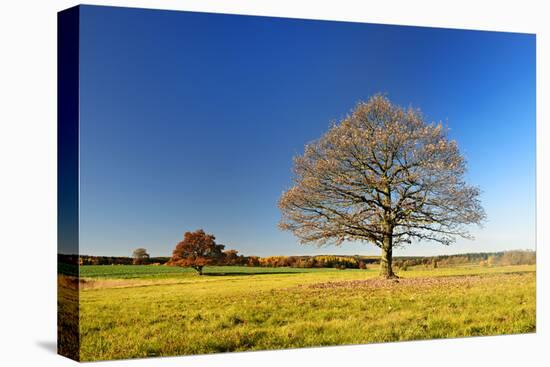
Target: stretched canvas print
237, 183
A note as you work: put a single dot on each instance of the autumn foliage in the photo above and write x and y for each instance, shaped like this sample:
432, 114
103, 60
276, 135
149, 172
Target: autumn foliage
197, 250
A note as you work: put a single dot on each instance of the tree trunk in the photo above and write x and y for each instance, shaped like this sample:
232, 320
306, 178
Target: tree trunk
386, 270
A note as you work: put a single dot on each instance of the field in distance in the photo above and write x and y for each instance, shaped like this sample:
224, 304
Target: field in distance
159, 272
139, 311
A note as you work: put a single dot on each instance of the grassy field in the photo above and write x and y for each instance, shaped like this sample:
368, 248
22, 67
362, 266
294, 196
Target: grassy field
140, 311
159, 272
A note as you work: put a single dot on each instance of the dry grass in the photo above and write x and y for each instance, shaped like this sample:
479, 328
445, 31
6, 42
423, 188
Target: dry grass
417, 282
209, 314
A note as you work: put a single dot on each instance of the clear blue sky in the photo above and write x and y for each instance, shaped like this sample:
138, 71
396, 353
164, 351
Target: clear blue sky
191, 120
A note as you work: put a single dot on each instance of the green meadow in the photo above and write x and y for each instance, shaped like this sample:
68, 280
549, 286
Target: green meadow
141, 311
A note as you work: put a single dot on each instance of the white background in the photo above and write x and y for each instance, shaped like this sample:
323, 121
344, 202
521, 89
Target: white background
28, 182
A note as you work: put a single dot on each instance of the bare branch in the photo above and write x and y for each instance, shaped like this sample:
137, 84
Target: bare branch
381, 175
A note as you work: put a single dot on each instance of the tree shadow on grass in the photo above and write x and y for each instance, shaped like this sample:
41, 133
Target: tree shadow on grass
222, 274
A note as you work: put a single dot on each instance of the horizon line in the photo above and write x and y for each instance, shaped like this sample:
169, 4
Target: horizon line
333, 254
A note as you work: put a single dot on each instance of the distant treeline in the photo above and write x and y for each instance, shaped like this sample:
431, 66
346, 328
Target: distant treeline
231, 257
514, 257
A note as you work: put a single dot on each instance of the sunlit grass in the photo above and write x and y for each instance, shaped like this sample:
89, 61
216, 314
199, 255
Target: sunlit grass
252, 309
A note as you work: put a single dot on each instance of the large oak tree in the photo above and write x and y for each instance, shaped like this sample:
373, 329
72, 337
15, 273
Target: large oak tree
381, 175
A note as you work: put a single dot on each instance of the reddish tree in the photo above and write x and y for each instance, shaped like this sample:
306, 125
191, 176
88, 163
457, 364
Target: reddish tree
197, 250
